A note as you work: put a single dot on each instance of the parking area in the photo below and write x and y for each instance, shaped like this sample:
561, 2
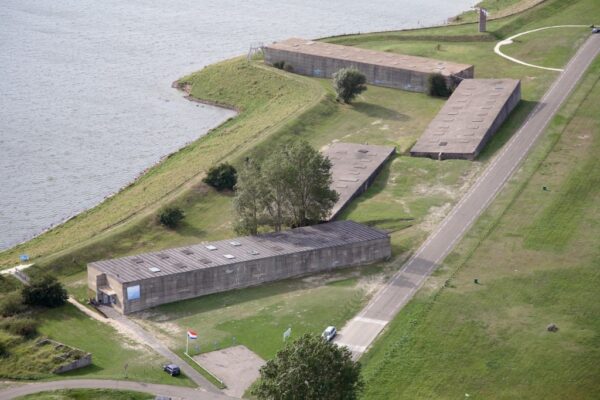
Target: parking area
236, 366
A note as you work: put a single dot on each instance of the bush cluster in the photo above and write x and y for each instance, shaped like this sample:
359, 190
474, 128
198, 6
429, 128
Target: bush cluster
25, 327
171, 217
222, 176
45, 291
283, 65
349, 83
12, 304
437, 86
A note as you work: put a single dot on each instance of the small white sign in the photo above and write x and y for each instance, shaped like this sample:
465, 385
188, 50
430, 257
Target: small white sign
287, 334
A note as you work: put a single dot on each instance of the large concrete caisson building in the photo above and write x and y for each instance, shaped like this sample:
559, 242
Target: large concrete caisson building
353, 168
139, 282
469, 119
398, 71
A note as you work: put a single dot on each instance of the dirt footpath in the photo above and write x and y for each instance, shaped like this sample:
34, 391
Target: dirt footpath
236, 366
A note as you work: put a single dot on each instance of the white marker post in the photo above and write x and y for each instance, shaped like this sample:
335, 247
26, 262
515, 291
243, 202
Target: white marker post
287, 333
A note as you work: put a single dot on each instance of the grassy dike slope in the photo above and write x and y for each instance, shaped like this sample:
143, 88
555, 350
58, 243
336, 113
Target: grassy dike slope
536, 255
265, 99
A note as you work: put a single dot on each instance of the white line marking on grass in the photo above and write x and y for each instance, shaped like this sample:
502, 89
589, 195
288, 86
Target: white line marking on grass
510, 41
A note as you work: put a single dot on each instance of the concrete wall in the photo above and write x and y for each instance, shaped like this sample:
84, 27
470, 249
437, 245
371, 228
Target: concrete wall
507, 108
325, 67
79, 363
190, 284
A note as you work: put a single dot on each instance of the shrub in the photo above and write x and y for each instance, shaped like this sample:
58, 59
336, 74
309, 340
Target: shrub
171, 217
45, 291
283, 65
438, 86
25, 327
12, 304
349, 83
222, 176
329, 369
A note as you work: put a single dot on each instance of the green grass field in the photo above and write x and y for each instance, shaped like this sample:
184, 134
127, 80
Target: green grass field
88, 394
408, 198
110, 350
257, 317
536, 256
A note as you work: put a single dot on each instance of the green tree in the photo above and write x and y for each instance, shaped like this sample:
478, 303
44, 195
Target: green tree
438, 86
290, 188
222, 176
349, 83
171, 217
310, 368
45, 291
307, 175
248, 202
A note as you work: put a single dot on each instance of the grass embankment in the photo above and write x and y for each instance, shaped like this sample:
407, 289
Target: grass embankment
88, 394
409, 197
536, 255
257, 317
111, 352
266, 100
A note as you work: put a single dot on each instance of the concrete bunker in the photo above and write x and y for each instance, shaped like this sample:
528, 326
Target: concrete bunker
139, 282
397, 71
469, 119
353, 168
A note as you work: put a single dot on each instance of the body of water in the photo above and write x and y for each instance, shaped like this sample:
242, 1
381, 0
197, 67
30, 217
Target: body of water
86, 100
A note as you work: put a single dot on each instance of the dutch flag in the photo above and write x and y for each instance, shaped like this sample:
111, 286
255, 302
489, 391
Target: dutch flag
192, 334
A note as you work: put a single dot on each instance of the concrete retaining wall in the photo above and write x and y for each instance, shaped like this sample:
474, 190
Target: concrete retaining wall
80, 363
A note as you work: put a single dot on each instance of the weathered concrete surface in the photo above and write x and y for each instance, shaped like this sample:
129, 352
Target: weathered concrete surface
237, 366
353, 168
469, 119
397, 71
188, 272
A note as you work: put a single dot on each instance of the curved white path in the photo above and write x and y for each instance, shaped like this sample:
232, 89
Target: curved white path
510, 41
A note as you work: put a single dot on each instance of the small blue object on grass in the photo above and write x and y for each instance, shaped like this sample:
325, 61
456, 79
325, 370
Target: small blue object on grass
24, 257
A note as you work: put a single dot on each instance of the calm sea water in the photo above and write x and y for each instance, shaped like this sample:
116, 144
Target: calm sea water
85, 98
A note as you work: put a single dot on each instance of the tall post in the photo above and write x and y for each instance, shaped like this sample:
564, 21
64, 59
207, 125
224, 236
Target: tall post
482, 19
187, 343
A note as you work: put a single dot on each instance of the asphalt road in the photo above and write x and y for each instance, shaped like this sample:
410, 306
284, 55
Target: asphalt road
175, 392
362, 330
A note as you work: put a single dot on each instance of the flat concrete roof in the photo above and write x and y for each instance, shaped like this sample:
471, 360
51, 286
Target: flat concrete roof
233, 251
351, 167
464, 120
358, 55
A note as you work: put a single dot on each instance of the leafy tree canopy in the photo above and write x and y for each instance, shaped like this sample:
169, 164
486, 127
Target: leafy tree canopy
438, 86
171, 217
290, 188
349, 83
45, 291
222, 176
310, 368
